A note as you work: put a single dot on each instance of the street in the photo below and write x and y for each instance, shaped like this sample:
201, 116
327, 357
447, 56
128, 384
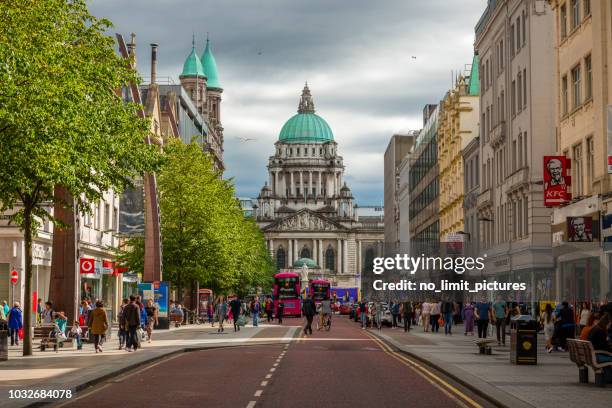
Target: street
344, 367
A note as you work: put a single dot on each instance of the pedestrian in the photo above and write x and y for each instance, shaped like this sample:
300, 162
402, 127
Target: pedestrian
77, 333
269, 308
500, 311
280, 311
468, 319
548, 324
378, 315
395, 314
236, 308
309, 309
593, 320
48, 313
435, 316
483, 314
417, 314
210, 311
2, 316
131, 314
325, 313
143, 316
15, 323
220, 312
447, 311
123, 331
565, 326
40, 308
5, 307
426, 315
599, 339
255, 310
363, 314
152, 320
585, 314
98, 324
406, 312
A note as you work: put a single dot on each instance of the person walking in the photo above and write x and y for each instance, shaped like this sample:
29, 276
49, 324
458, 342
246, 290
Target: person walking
325, 313
468, 319
500, 311
363, 314
236, 308
378, 315
152, 320
15, 323
435, 316
220, 312
98, 325
210, 311
447, 312
269, 309
483, 313
395, 314
280, 311
548, 323
5, 307
406, 312
255, 310
309, 309
40, 308
426, 315
122, 326
585, 314
565, 327
131, 314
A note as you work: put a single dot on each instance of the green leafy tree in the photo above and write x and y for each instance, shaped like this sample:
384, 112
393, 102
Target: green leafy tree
62, 119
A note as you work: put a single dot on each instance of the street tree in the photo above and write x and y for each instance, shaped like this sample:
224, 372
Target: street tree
62, 118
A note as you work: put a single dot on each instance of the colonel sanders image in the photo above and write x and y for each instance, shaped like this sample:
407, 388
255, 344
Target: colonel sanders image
579, 231
555, 170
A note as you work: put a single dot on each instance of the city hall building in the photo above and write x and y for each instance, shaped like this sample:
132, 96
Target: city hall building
307, 211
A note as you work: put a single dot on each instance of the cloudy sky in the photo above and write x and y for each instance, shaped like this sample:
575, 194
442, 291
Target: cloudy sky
357, 56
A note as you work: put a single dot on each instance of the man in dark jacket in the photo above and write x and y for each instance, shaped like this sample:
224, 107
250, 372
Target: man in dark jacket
236, 308
131, 314
309, 309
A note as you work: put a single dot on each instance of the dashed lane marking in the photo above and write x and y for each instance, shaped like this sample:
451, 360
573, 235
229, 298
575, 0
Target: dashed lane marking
258, 393
251, 404
268, 376
272, 369
264, 383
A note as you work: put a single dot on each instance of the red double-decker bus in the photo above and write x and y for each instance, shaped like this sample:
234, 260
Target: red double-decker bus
320, 290
287, 290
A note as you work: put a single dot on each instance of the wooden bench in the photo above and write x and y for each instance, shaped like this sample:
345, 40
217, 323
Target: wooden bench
582, 353
484, 346
44, 334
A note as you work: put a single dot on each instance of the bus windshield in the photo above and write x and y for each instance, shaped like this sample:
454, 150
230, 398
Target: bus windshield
320, 291
287, 288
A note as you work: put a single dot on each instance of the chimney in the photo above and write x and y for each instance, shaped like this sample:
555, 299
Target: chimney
132, 48
153, 63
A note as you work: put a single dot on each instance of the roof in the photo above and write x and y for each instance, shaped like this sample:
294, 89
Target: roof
193, 65
474, 83
306, 126
210, 67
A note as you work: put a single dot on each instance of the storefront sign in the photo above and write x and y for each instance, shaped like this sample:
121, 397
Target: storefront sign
609, 139
579, 229
557, 181
107, 267
87, 265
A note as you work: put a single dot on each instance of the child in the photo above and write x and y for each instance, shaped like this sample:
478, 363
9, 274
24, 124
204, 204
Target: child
76, 333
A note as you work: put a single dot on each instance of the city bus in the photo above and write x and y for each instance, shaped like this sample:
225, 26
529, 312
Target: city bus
320, 290
287, 290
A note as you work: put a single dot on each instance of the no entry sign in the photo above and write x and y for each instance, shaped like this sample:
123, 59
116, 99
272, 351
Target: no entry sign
14, 277
87, 265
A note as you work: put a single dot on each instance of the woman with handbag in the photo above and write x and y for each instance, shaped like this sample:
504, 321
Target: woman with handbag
98, 324
15, 323
220, 312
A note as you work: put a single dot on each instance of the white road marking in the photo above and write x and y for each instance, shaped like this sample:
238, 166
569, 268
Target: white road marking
272, 369
268, 376
251, 404
275, 364
258, 393
264, 383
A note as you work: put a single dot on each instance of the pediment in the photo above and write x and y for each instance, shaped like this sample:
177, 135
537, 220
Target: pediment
304, 220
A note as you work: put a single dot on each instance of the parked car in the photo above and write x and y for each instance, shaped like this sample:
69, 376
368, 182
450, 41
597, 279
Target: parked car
344, 309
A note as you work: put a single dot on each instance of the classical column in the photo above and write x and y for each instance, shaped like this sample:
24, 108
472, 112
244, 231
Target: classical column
272, 248
359, 257
345, 259
271, 181
292, 188
314, 250
322, 265
290, 250
275, 188
335, 192
309, 182
302, 181
296, 254
339, 257
320, 190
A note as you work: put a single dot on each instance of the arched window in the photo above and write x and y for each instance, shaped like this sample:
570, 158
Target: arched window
329, 258
369, 260
280, 258
305, 253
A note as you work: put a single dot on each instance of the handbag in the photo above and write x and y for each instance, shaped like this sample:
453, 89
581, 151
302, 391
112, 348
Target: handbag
20, 333
441, 321
242, 321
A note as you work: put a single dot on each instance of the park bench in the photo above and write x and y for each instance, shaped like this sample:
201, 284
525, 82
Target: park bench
44, 334
582, 353
484, 346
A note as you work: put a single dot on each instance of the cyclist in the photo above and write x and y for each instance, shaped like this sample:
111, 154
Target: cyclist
325, 314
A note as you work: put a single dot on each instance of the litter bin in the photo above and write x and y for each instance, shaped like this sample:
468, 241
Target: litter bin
3, 345
523, 340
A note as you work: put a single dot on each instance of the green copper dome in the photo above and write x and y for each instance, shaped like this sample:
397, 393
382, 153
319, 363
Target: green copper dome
210, 67
305, 261
192, 65
306, 126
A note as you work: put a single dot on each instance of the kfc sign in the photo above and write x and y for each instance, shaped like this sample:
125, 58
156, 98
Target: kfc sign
579, 229
557, 181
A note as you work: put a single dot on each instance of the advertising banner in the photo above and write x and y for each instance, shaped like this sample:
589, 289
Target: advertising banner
146, 291
609, 139
557, 181
579, 229
161, 293
131, 210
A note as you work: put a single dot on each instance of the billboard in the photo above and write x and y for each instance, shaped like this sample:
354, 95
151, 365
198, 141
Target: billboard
579, 229
131, 210
557, 181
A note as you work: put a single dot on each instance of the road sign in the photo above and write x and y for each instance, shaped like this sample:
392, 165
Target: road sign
87, 265
14, 277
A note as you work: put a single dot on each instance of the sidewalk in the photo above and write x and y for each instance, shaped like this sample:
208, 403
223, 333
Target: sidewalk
552, 383
76, 369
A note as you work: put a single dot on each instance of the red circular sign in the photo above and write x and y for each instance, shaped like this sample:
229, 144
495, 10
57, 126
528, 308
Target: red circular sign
14, 277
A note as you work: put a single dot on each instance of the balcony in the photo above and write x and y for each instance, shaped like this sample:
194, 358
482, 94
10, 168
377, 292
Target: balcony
485, 199
517, 180
498, 134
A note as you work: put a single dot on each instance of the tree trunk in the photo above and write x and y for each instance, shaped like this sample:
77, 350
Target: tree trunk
27, 306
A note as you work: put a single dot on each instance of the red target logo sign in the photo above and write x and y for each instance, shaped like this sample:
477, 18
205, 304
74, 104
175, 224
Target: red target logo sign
87, 265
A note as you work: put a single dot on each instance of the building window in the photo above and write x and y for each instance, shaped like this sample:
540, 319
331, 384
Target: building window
524, 28
329, 259
576, 97
588, 86
513, 98
520, 151
280, 258
563, 21
519, 220
524, 88
590, 163
525, 161
502, 107
587, 8
564, 95
526, 216
519, 91
514, 164
518, 34
476, 168
512, 45
575, 13
577, 169
305, 253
